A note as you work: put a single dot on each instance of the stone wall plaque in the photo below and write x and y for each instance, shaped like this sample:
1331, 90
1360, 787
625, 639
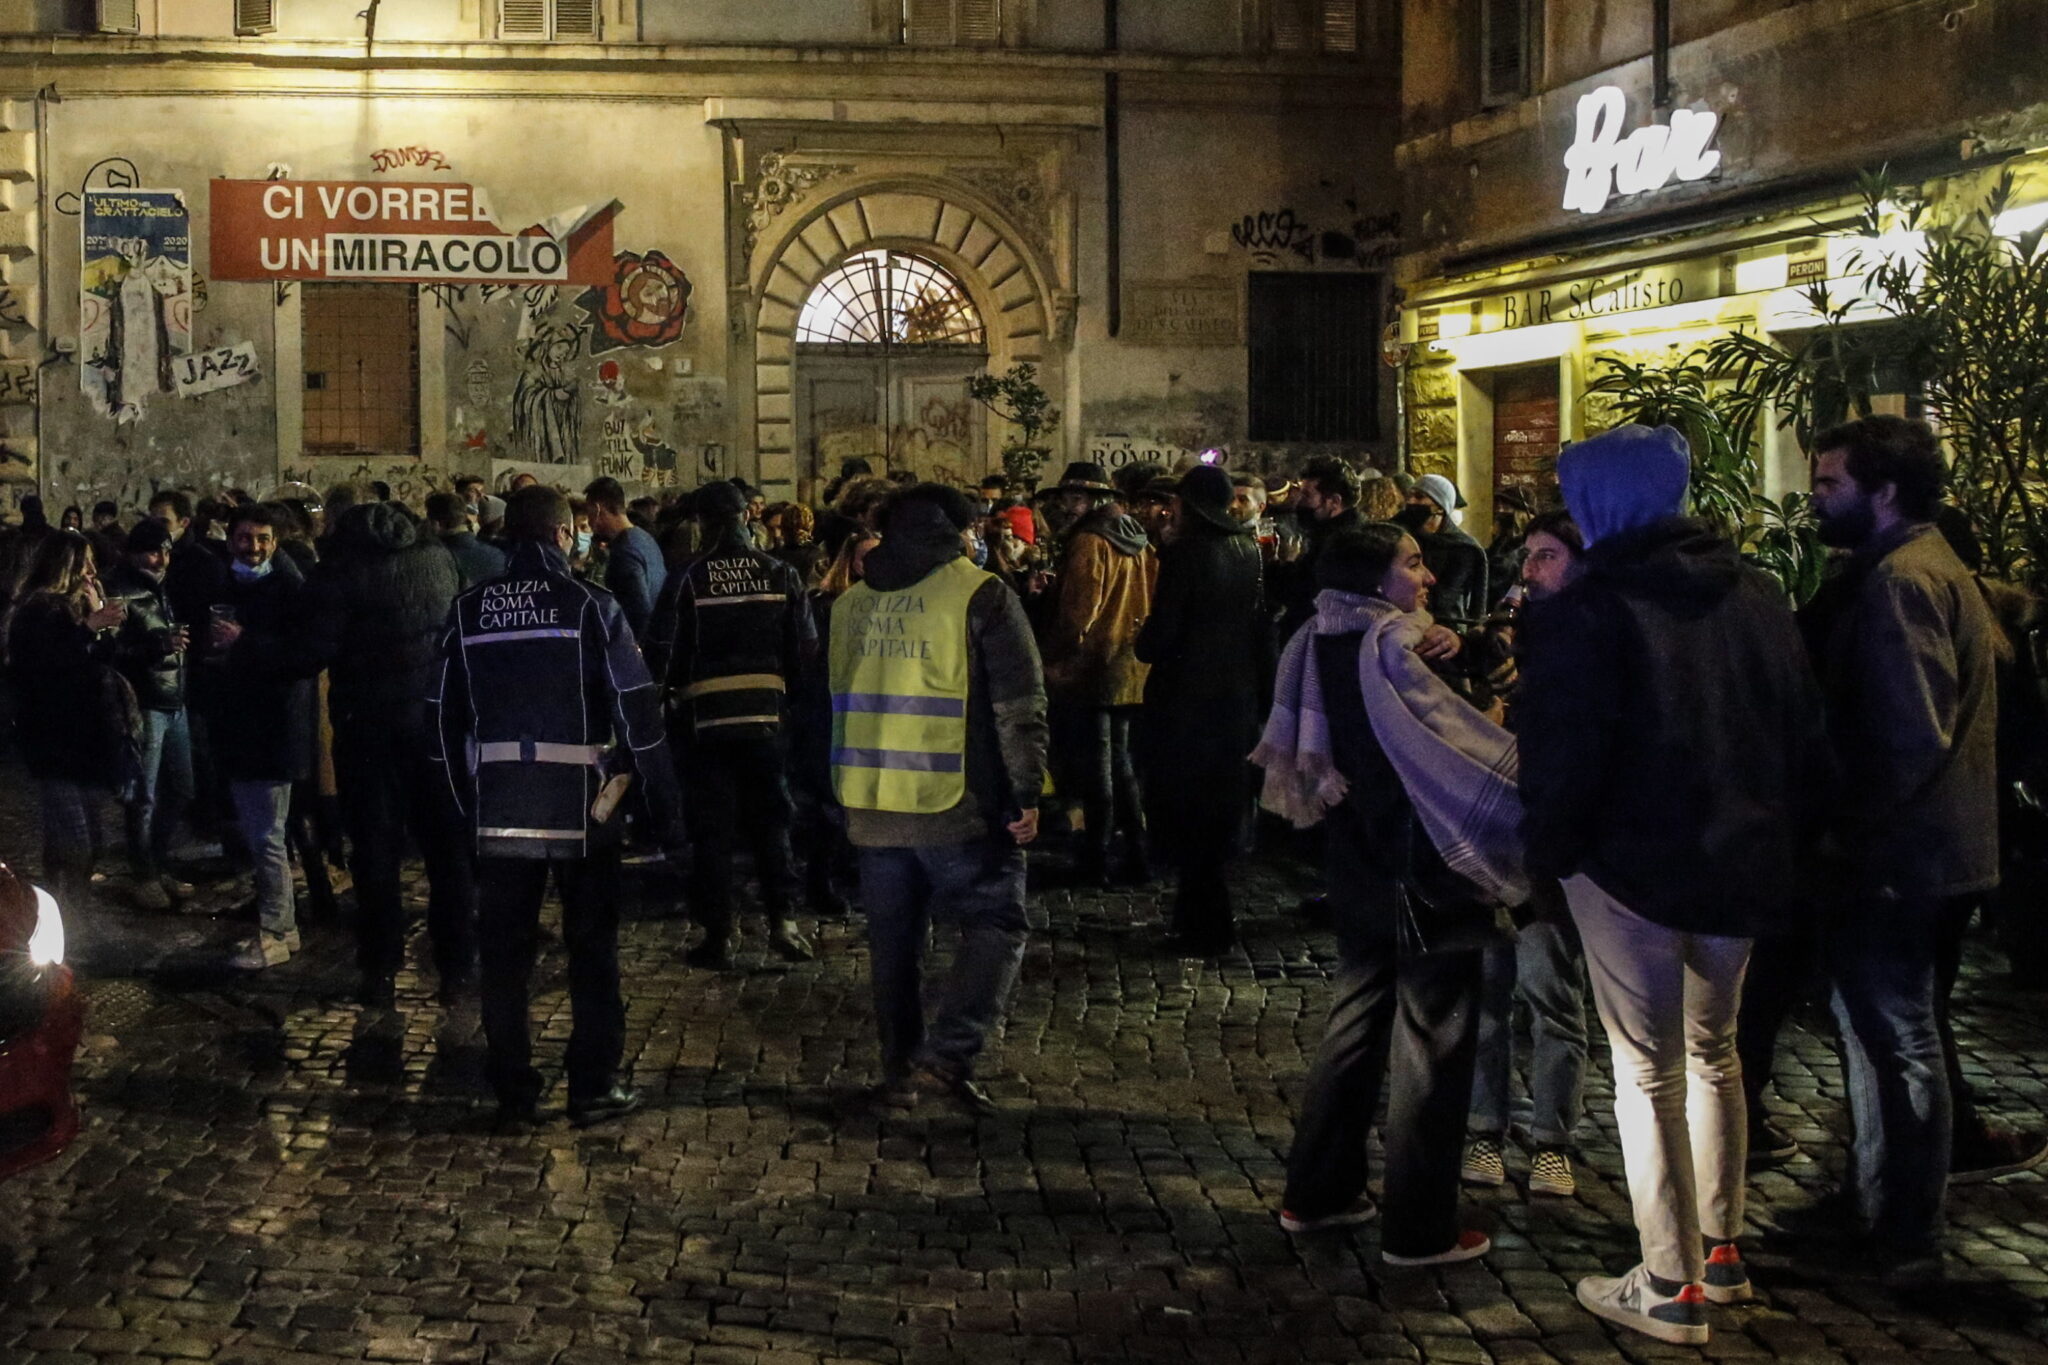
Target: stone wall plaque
1182, 313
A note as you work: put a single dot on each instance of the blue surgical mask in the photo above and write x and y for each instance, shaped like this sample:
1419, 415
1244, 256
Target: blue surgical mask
980, 555
583, 539
250, 572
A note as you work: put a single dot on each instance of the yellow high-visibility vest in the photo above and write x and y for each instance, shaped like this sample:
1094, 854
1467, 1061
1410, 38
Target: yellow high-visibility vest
899, 693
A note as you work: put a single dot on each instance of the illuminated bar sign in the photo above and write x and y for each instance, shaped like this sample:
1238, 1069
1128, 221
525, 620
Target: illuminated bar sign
1601, 163
402, 233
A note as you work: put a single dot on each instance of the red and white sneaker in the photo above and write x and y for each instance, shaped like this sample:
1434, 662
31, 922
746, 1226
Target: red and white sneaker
1360, 1212
1470, 1246
1727, 1277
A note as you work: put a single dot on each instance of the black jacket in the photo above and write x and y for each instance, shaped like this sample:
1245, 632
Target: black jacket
264, 709
69, 708
194, 579
1673, 747
728, 639
142, 644
474, 560
1460, 599
373, 616
1294, 585
540, 695
1209, 648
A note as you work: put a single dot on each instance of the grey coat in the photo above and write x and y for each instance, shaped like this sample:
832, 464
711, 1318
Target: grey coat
1907, 651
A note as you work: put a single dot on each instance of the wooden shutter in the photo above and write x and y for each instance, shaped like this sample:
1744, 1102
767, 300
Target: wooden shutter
1290, 29
1340, 25
522, 18
928, 23
1503, 51
575, 19
255, 16
118, 16
981, 22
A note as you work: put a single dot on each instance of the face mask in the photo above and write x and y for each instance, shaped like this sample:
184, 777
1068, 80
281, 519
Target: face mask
250, 572
583, 539
980, 552
1415, 516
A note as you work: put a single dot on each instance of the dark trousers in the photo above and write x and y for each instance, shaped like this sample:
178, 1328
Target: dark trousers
1784, 973
733, 788
1953, 927
1093, 764
510, 893
389, 790
1417, 1017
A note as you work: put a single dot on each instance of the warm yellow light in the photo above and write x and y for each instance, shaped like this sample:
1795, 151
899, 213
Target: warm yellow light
1760, 273
2013, 222
1456, 323
1490, 349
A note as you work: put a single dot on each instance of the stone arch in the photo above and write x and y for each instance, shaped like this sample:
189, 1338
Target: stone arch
1008, 278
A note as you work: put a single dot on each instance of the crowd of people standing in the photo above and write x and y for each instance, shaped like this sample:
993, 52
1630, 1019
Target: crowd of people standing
1599, 755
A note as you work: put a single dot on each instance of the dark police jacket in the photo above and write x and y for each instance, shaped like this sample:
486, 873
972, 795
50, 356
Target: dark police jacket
728, 637
540, 684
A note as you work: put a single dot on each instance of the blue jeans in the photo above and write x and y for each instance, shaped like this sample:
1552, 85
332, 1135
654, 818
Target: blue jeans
162, 787
1545, 962
1883, 957
981, 887
260, 810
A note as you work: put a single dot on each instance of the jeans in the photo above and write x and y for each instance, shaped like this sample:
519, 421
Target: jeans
163, 786
981, 887
509, 896
1883, 957
71, 824
1669, 1000
1092, 762
733, 788
1409, 1022
1544, 962
389, 789
260, 811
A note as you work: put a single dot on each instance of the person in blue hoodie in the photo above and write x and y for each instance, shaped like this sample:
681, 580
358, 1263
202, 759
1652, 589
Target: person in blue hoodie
1674, 766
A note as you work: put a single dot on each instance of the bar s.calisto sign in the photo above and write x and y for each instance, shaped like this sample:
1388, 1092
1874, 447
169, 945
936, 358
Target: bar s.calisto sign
404, 233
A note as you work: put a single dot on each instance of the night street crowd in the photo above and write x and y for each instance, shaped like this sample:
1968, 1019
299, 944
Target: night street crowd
1601, 750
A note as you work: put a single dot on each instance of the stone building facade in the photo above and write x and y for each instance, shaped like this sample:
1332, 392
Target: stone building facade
246, 242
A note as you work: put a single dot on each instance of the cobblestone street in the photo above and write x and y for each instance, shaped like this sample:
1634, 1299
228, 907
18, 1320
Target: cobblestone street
264, 1175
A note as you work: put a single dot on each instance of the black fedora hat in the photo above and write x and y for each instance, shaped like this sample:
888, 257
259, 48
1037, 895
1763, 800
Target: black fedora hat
1087, 477
1206, 492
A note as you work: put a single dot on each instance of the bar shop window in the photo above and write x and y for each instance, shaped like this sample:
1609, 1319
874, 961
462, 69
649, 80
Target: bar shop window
362, 363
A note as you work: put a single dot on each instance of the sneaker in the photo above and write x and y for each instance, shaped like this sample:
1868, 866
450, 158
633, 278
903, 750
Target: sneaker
1727, 1277
1549, 1173
959, 1088
1362, 1211
175, 889
1483, 1164
789, 944
1769, 1145
149, 894
1993, 1153
291, 941
1639, 1301
1913, 1271
265, 950
894, 1092
1470, 1246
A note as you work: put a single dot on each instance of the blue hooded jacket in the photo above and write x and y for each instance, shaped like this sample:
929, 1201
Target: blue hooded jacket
1625, 478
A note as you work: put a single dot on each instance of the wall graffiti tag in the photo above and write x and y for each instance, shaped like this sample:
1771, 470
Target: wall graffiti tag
645, 304
223, 367
1354, 237
393, 158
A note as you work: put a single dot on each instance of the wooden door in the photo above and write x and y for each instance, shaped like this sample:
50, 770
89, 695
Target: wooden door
1525, 432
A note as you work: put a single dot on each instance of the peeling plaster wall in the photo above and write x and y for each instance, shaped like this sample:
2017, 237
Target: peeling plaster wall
621, 411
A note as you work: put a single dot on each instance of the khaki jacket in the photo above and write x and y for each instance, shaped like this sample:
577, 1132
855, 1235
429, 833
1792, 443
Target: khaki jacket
1105, 594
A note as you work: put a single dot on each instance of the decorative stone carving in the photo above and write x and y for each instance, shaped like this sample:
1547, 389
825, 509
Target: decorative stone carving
778, 184
1016, 191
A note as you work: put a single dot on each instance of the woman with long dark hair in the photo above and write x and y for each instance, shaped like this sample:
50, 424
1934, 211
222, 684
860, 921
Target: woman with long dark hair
1418, 792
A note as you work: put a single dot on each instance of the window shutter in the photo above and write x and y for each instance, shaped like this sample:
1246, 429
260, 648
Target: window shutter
576, 18
1290, 25
1504, 51
1340, 25
255, 16
981, 22
118, 16
522, 18
928, 23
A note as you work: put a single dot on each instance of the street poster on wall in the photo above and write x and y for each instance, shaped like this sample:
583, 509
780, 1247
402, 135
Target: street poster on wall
135, 296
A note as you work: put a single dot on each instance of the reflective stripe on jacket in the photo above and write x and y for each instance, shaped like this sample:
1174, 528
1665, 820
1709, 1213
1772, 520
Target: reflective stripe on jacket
900, 668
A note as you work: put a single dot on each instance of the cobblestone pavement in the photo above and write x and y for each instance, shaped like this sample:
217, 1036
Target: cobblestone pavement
266, 1175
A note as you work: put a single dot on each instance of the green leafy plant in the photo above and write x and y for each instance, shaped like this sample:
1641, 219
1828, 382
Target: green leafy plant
1951, 312
1720, 423
1017, 397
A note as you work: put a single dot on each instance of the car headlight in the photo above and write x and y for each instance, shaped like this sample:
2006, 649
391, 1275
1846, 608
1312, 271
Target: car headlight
46, 944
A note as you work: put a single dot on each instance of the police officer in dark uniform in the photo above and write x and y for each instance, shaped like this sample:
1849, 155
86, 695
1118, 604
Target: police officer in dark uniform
543, 704
729, 634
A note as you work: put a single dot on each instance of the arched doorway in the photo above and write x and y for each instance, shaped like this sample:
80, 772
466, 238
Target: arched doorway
1005, 277
885, 343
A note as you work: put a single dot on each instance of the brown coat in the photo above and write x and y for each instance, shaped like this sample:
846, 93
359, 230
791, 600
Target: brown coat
1105, 594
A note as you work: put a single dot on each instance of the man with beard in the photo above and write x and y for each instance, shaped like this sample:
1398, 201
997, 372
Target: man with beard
1326, 506
1907, 651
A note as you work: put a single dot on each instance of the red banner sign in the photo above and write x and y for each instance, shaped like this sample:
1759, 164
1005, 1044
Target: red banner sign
435, 233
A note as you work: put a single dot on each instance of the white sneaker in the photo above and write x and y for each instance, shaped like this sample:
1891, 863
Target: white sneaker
265, 950
1633, 1301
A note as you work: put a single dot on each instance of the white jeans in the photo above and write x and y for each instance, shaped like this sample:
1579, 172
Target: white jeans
1669, 1001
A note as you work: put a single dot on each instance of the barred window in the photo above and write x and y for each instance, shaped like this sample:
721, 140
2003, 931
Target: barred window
361, 356
888, 298
1314, 353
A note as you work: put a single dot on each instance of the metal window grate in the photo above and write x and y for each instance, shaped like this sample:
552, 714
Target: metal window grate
886, 298
255, 16
361, 347
1314, 352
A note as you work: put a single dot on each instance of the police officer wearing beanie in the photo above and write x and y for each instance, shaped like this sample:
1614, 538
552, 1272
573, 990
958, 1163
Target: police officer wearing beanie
729, 634
543, 703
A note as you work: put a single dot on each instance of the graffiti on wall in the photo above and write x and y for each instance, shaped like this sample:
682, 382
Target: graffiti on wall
411, 480
209, 371
108, 173
1343, 233
399, 158
546, 403
646, 303
135, 296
